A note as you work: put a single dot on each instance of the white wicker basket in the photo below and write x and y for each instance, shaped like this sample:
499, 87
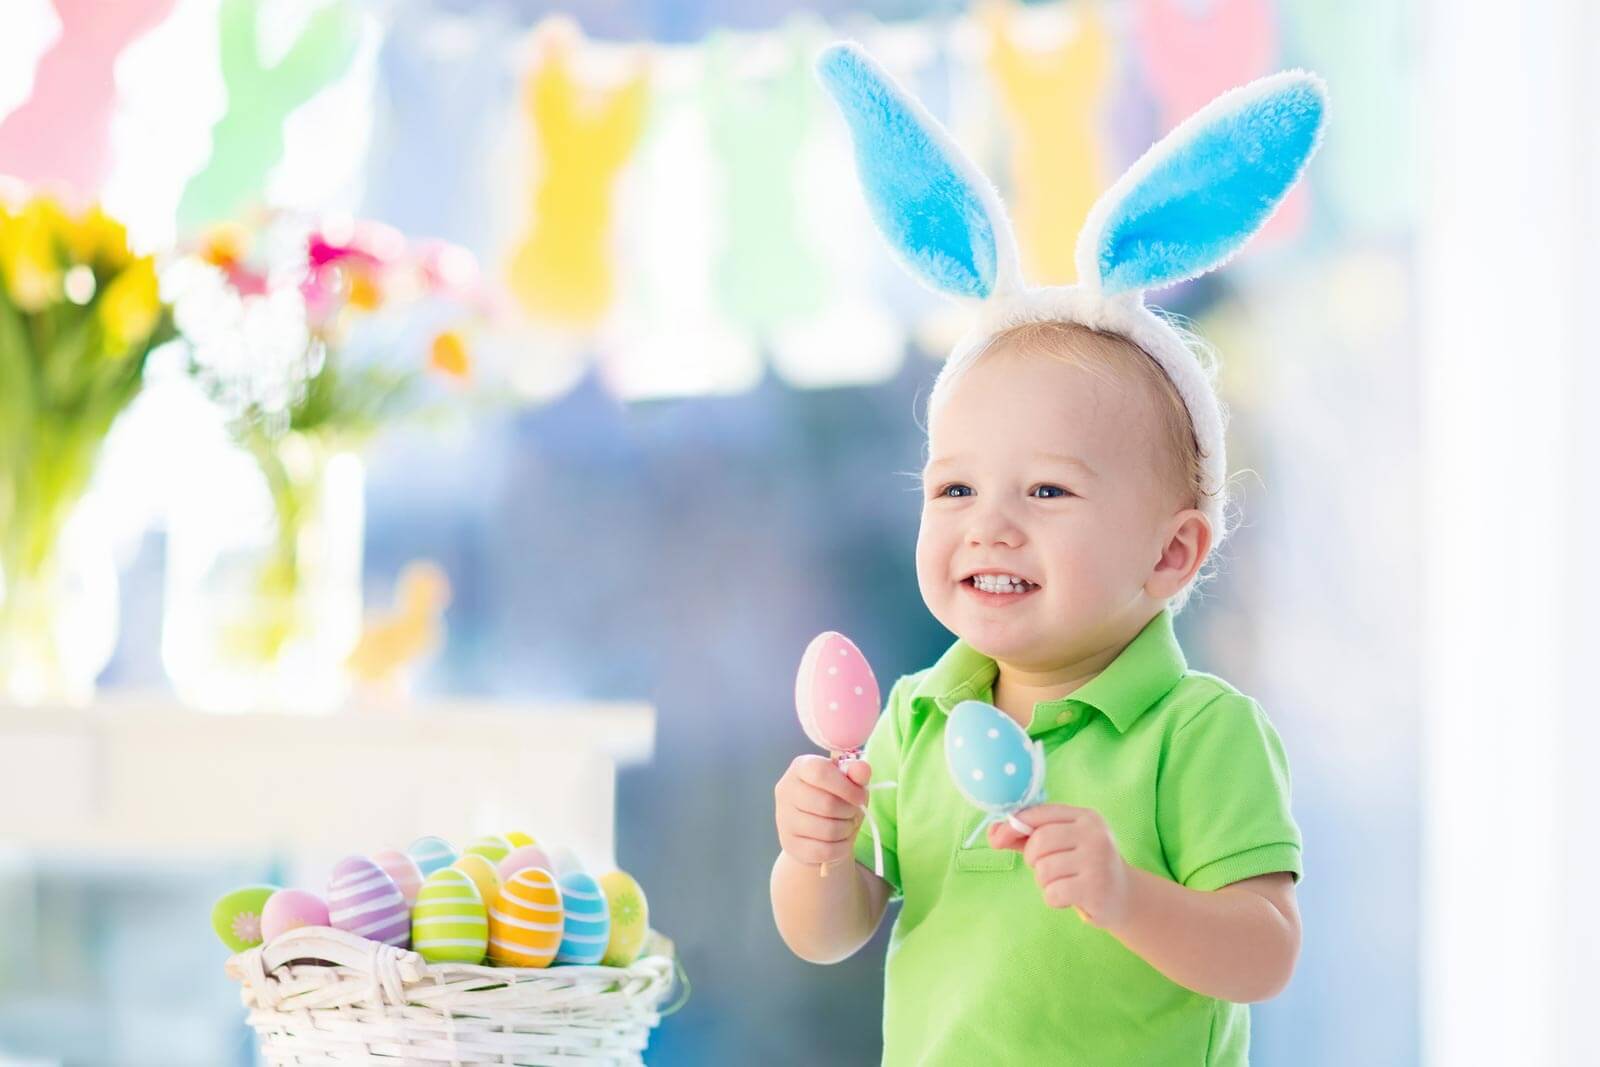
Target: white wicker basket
372, 1003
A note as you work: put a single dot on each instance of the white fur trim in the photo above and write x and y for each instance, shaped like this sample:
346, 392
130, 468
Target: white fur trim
1126, 316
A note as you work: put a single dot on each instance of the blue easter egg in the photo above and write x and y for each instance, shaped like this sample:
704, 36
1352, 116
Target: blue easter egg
431, 854
588, 920
990, 757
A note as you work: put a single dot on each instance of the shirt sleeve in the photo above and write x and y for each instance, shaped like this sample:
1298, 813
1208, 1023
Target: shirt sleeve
1222, 800
883, 756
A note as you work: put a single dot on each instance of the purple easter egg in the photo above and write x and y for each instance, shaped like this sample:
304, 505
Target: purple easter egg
363, 900
289, 909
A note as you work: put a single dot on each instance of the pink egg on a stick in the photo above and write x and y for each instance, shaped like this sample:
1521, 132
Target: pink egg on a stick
520, 859
403, 869
836, 694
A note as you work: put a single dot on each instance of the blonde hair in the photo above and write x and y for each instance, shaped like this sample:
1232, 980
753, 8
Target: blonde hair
1114, 357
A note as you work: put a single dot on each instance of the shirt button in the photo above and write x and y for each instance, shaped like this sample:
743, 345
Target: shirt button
1063, 717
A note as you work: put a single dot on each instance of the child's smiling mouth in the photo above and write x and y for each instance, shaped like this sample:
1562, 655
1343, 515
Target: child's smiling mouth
997, 587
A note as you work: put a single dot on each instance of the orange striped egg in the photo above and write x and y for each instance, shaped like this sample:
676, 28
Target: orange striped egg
526, 920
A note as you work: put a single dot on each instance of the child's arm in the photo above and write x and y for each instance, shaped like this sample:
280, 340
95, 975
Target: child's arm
1237, 943
823, 919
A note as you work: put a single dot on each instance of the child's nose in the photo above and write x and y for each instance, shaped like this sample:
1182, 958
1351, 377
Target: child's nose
994, 526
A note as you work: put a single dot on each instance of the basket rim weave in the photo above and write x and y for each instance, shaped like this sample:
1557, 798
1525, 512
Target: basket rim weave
318, 995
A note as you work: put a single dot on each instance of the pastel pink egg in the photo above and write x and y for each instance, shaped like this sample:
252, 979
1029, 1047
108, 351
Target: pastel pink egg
520, 859
836, 694
290, 909
403, 869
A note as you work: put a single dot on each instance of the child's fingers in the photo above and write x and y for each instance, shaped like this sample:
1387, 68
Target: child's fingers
812, 800
1002, 836
1047, 813
858, 771
825, 775
816, 828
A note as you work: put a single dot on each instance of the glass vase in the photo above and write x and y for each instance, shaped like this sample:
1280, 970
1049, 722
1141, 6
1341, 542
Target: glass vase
263, 600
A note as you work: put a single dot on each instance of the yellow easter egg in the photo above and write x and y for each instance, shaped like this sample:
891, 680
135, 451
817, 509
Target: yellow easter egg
482, 873
518, 839
630, 918
527, 920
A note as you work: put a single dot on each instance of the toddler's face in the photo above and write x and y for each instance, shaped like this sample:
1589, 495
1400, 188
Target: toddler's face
1053, 473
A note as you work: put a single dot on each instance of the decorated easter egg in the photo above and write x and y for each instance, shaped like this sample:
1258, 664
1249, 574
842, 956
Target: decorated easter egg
290, 909
836, 694
366, 902
587, 923
522, 858
431, 853
236, 916
564, 861
630, 918
403, 869
990, 757
482, 873
526, 921
491, 847
450, 923
518, 839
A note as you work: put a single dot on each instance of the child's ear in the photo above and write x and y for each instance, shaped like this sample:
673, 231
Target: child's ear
938, 211
1201, 192
1187, 545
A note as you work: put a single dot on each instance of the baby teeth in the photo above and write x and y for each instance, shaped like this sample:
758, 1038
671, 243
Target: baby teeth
999, 583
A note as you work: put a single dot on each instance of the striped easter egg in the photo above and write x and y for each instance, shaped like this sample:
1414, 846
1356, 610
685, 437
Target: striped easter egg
491, 847
518, 839
450, 923
522, 858
587, 923
526, 920
403, 869
431, 853
366, 902
482, 873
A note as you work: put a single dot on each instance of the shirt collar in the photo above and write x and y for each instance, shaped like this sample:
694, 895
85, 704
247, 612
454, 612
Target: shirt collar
1143, 673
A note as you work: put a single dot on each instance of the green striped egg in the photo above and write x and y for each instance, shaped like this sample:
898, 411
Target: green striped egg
449, 923
491, 847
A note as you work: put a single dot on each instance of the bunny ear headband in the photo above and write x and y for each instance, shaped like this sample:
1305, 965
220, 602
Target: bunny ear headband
1182, 210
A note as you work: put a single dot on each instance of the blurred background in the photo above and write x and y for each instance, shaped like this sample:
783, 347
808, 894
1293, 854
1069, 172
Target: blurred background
539, 354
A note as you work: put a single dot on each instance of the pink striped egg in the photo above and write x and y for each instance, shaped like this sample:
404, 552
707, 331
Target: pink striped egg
403, 869
836, 694
363, 900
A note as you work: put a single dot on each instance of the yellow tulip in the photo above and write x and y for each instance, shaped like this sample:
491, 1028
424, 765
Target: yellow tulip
98, 240
29, 256
130, 307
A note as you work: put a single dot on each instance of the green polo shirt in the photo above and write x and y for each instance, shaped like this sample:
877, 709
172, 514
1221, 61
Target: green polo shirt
1192, 780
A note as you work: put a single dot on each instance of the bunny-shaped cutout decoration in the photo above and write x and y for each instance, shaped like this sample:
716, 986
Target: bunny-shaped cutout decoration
1184, 209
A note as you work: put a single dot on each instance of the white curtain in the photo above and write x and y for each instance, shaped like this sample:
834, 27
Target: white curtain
1510, 945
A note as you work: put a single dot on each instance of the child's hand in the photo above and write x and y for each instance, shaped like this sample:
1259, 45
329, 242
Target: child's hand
819, 808
1074, 860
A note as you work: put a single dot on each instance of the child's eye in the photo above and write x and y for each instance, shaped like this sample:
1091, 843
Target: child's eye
1049, 492
954, 489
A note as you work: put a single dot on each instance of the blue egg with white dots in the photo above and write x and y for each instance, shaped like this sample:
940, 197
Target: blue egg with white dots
990, 756
587, 920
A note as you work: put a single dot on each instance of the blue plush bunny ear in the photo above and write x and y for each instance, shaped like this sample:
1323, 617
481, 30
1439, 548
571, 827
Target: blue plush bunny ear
936, 208
1200, 193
